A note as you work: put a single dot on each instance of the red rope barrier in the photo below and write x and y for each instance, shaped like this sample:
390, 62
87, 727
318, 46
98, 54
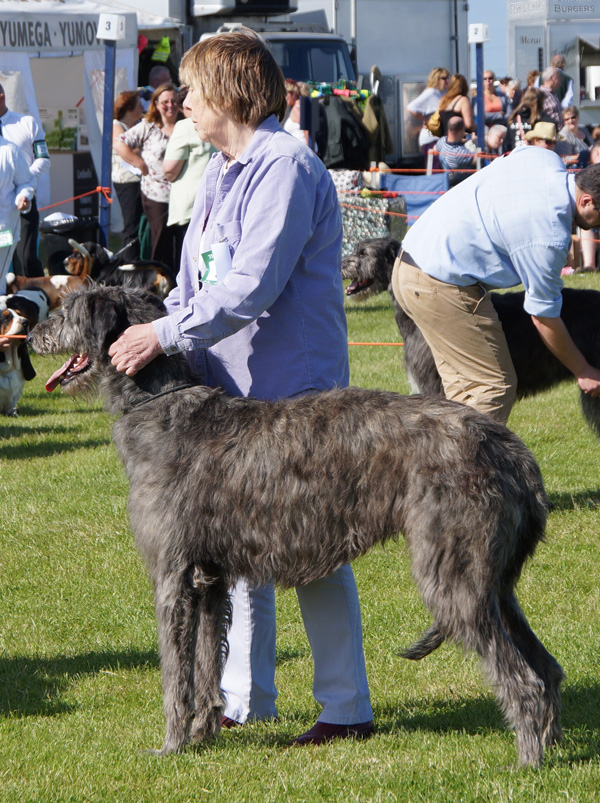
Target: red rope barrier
104, 190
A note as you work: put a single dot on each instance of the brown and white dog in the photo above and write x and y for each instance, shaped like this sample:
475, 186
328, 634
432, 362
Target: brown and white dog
54, 287
15, 365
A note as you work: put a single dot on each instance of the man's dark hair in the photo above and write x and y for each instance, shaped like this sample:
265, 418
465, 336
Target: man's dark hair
588, 181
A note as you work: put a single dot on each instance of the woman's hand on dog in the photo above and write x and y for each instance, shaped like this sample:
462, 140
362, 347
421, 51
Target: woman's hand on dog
135, 348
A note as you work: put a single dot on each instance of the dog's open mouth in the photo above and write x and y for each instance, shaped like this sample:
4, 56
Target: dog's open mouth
356, 286
74, 366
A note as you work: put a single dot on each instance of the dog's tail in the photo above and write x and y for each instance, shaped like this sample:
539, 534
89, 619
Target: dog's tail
429, 641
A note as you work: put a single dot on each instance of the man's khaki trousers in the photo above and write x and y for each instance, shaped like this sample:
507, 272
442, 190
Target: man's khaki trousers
465, 336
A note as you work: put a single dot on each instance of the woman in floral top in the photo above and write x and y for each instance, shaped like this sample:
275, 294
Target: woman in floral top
150, 137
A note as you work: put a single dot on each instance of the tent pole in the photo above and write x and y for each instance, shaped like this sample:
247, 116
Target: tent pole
107, 124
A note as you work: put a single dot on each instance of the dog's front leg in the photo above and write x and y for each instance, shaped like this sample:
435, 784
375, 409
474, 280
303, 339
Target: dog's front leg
176, 603
213, 620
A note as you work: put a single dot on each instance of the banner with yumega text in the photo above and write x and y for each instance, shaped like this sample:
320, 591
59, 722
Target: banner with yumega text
53, 33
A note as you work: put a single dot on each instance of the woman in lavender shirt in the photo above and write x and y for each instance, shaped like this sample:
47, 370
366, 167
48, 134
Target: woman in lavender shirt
258, 309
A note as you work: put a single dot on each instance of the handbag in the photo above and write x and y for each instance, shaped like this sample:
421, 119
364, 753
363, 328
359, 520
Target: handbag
434, 124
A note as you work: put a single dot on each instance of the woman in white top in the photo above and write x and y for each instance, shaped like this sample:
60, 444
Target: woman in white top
424, 105
128, 112
144, 146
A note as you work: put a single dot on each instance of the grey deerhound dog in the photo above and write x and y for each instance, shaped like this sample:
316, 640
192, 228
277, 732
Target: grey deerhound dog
370, 269
224, 488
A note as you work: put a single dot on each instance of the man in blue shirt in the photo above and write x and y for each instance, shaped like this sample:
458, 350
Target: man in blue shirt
506, 225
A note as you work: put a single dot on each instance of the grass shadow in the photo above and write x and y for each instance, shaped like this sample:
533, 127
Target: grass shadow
565, 500
33, 686
49, 447
580, 719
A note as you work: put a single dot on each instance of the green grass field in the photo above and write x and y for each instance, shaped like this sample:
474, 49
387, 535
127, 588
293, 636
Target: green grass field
80, 697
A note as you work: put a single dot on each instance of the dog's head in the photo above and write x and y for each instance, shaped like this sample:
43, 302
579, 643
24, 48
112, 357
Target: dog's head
90, 319
81, 261
14, 325
370, 266
31, 304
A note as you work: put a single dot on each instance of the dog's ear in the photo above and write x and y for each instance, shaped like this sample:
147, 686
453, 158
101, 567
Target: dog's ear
153, 300
109, 319
26, 366
393, 250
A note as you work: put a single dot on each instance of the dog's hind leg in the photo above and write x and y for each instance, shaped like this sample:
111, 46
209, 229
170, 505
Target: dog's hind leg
590, 407
519, 689
541, 661
176, 604
213, 620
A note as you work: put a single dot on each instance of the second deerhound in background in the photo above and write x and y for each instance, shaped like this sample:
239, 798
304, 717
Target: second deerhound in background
369, 268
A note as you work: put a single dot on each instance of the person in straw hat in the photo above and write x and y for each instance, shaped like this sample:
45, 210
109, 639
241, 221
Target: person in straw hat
543, 135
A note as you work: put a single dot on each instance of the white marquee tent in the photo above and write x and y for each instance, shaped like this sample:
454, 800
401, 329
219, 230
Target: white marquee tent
52, 67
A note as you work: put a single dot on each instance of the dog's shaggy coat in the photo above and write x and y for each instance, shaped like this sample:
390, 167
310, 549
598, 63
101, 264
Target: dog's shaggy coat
223, 488
370, 269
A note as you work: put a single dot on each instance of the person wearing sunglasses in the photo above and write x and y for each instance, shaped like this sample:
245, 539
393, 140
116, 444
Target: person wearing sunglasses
425, 104
575, 138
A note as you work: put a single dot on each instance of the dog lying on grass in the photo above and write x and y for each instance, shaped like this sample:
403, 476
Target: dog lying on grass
223, 488
370, 270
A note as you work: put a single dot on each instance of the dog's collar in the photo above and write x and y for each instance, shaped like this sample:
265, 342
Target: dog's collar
158, 395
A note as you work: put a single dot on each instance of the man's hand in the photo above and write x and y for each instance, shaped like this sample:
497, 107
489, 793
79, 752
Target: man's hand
135, 348
590, 383
555, 335
4, 343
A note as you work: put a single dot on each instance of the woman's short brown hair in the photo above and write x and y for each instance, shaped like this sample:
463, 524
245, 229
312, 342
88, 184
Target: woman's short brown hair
236, 73
125, 102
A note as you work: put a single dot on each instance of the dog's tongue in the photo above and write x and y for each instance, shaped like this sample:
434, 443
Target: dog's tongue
57, 376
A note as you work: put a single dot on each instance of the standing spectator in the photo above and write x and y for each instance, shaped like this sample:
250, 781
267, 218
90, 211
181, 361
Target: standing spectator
186, 159
565, 91
576, 138
550, 81
533, 78
24, 132
456, 102
159, 74
292, 94
524, 117
514, 95
292, 121
144, 146
268, 322
453, 153
495, 104
126, 178
17, 189
588, 238
424, 105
